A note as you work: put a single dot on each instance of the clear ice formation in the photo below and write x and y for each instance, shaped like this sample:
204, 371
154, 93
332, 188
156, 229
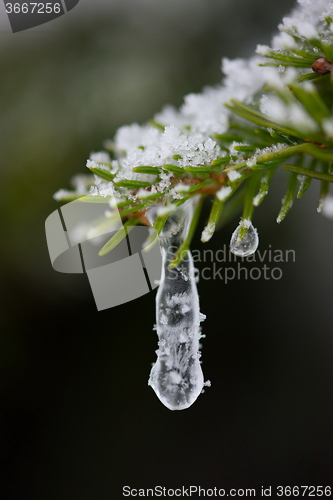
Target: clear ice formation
249, 244
177, 377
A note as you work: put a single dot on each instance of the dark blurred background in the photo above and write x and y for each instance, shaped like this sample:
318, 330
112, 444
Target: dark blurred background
77, 418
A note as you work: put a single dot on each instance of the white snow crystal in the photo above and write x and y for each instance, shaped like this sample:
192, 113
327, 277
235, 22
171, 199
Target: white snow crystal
168, 209
181, 188
223, 193
142, 194
263, 50
100, 157
233, 175
246, 223
62, 194
257, 199
251, 161
307, 30
289, 75
208, 232
244, 78
130, 136
274, 108
284, 41
273, 78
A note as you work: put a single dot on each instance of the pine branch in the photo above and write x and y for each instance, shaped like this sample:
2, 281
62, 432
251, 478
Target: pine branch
289, 118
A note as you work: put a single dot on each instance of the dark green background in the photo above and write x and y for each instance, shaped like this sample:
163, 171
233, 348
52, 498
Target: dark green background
77, 418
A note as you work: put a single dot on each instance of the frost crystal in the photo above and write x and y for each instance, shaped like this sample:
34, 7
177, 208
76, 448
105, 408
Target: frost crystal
284, 41
233, 175
168, 209
62, 194
142, 194
100, 157
263, 50
208, 232
181, 188
307, 30
251, 162
223, 193
274, 108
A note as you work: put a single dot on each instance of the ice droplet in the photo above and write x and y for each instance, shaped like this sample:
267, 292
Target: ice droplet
177, 377
249, 244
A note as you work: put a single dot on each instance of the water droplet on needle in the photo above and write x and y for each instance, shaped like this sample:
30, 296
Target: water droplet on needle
248, 244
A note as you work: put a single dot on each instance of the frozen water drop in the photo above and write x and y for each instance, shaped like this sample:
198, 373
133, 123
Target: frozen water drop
249, 244
177, 377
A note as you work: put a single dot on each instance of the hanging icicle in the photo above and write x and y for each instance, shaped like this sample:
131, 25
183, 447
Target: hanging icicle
177, 377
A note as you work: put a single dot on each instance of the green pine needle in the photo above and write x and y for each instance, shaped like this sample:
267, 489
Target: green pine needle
184, 248
265, 182
324, 188
119, 236
131, 184
214, 217
174, 169
103, 173
250, 190
306, 180
287, 201
147, 170
303, 171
